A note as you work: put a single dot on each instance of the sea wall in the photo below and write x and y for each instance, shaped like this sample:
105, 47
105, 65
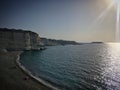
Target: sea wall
12, 39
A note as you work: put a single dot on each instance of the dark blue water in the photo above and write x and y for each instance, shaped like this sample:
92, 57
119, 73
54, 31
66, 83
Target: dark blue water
77, 67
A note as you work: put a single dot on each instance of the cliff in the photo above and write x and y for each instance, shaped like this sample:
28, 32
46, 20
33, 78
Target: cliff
12, 39
52, 42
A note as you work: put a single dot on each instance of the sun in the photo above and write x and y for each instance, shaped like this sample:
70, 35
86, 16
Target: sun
117, 1
114, 2
116, 5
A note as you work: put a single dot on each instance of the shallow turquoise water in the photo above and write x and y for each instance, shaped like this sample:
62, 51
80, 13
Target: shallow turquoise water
77, 67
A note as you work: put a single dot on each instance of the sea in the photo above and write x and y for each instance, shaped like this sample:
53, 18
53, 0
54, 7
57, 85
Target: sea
92, 66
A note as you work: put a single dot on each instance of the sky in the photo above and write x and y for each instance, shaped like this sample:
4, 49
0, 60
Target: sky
60, 19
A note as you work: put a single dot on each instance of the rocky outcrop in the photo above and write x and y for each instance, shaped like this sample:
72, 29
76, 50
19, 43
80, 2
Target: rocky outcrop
12, 39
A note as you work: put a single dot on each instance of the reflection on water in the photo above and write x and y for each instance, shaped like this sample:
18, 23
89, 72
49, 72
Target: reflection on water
111, 72
79, 67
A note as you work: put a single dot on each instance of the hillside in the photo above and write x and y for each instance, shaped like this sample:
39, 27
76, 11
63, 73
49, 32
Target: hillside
52, 42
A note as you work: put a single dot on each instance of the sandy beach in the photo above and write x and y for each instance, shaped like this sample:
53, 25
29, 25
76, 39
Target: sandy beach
12, 77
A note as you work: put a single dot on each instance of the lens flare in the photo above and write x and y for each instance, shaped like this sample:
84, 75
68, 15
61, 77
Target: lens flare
117, 34
118, 23
116, 4
117, 1
103, 14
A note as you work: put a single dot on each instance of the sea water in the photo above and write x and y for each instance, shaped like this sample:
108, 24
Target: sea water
77, 67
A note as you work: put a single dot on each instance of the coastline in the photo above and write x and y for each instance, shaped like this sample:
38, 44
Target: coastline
12, 76
37, 79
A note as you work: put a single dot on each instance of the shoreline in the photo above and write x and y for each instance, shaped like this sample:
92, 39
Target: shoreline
26, 71
12, 76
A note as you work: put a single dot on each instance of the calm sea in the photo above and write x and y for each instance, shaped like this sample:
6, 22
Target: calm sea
77, 67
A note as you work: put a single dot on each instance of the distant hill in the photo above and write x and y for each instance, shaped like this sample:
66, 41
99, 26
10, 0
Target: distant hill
53, 42
97, 42
18, 39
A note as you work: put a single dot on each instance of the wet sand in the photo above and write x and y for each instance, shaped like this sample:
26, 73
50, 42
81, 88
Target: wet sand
12, 77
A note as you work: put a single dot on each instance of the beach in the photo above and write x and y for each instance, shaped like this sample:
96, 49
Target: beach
12, 77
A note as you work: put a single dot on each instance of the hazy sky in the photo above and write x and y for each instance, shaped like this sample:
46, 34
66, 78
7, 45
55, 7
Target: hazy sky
60, 19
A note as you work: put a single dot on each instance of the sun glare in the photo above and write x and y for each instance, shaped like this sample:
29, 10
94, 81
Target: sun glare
116, 4
110, 4
117, 1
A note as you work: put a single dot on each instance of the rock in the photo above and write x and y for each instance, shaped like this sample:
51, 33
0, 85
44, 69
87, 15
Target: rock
26, 78
12, 39
3, 51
